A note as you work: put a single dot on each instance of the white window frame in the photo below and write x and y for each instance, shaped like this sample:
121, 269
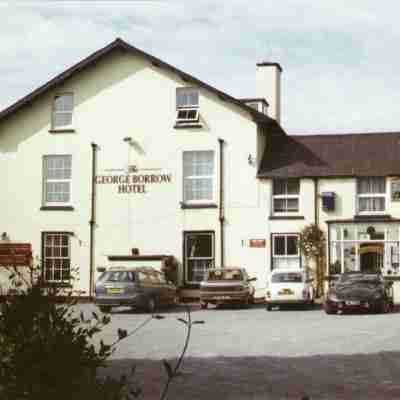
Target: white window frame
55, 127
195, 107
187, 258
285, 256
53, 257
48, 180
195, 177
359, 196
285, 197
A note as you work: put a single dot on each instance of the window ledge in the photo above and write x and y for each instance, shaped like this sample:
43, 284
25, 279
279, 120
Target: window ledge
185, 206
188, 126
56, 208
290, 217
66, 130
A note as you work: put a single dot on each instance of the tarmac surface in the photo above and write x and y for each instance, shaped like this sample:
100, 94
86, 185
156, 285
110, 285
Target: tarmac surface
256, 354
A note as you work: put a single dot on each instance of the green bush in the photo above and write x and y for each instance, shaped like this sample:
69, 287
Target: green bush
46, 350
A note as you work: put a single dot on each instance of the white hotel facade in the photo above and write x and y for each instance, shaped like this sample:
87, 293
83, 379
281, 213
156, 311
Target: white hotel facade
125, 160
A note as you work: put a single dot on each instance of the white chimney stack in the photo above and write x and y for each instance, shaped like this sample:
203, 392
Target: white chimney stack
268, 86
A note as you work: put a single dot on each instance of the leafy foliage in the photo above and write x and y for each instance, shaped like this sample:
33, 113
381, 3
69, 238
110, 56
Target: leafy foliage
46, 349
312, 245
312, 241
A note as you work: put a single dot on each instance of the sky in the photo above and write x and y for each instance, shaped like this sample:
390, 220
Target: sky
340, 58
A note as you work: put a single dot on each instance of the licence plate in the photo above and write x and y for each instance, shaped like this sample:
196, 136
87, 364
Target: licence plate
353, 303
115, 290
285, 291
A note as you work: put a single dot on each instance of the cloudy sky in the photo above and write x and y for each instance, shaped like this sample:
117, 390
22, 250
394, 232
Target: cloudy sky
340, 59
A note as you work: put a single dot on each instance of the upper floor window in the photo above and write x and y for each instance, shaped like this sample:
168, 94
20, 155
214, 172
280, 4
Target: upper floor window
371, 194
286, 193
57, 180
187, 105
198, 176
62, 111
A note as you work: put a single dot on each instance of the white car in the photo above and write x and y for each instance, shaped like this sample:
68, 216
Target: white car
289, 286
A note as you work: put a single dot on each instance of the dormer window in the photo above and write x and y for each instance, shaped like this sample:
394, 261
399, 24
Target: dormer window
62, 111
187, 106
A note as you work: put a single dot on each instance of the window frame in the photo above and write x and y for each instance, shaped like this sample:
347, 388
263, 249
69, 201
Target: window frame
188, 107
55, 127
359, 196
186, 235
45, 180
195, 177
45, 257
286, 197
285, 256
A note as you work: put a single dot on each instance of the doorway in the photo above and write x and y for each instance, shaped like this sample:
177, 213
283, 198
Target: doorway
371, 257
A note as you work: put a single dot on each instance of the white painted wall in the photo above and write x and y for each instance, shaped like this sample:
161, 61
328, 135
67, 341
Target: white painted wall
118, 97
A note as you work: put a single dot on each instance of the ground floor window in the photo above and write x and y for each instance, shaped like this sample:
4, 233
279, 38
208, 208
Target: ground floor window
199, 254
364, 247
285, 251
56, 256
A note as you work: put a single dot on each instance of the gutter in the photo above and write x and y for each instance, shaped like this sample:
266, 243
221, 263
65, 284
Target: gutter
221, 200
92, 221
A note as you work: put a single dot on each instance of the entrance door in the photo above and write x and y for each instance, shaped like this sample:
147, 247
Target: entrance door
371, 257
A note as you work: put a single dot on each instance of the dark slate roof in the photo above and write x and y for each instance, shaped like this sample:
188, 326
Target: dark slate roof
122, 45
366, 154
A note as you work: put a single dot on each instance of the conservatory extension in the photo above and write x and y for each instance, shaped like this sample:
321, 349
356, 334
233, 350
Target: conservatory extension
365, 247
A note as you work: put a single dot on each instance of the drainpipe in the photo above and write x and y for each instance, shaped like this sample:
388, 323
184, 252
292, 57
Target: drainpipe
221, 199
92, 221
316, 211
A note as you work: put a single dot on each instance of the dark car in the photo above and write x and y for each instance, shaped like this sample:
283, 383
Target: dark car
226, 285
139, 288
359, 291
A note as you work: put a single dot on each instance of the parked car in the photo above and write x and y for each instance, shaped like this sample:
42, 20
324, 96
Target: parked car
226, 285
360, 291
289, 286
143, 288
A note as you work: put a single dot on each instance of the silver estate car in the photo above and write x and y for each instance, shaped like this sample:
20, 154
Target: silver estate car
140, 288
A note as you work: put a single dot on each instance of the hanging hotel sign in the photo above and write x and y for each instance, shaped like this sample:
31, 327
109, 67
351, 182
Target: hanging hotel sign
15, 254
135, 181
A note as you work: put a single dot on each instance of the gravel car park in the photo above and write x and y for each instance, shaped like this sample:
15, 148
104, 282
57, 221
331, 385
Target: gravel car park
253, 354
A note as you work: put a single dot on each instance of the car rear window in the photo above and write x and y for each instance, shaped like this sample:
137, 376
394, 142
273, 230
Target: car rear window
118, 276
225, 275
284, 277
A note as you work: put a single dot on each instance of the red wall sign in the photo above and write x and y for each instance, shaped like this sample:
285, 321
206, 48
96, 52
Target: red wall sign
18, 254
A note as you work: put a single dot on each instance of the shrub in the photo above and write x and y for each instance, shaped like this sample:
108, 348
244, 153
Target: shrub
46, 351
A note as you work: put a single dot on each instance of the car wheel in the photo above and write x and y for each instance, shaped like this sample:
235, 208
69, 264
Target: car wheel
150, 305
203, 305
384, 307
329, 309
246, 302
105, 309
268, 307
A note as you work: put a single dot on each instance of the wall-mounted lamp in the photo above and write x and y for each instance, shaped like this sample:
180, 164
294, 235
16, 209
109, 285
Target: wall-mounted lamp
128, 139
250, 160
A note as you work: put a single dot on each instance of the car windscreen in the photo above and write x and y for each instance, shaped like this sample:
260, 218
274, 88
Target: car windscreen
225, 275
287, 277
359, 278
118, 276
